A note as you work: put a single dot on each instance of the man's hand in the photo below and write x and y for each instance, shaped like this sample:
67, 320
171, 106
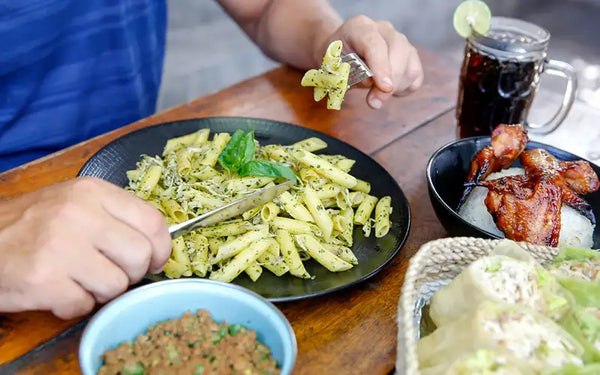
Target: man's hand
67, 246
298, 33
393, 60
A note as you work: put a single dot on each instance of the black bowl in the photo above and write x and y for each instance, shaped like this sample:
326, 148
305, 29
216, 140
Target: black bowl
446, 173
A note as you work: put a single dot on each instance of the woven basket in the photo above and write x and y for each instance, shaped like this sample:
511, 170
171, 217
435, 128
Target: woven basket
434, 265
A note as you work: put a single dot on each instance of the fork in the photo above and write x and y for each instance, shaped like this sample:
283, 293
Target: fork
359, 71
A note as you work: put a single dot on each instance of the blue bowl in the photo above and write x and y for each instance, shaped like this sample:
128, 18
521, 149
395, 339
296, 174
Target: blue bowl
132, 313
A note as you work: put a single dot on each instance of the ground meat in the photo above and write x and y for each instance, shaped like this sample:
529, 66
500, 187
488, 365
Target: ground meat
192, 345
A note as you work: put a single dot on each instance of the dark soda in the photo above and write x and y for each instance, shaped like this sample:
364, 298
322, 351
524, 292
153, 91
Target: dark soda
493, 91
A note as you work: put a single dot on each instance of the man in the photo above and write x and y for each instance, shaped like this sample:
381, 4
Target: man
70, 70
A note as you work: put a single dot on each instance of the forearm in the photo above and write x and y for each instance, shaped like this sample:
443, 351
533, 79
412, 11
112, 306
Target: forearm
290, 31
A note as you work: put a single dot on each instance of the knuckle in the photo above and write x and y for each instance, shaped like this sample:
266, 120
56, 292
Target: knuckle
48, 246
363, 20
121, 283
67, 210
38, 274
118, 284
386, 25
74, 307
156, 224
143, 252
136, 264
402, 39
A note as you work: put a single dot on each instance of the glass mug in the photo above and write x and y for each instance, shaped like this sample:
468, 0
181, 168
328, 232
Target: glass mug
500, 75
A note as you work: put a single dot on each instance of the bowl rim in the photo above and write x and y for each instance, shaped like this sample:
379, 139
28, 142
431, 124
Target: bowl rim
433, 189
166, 284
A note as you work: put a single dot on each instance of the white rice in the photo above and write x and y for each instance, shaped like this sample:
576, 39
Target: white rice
575, 229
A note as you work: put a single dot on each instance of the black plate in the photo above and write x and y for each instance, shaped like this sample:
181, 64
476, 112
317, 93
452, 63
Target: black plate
447, 170
112, 161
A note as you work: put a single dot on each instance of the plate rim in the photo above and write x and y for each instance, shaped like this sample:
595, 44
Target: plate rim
406, 206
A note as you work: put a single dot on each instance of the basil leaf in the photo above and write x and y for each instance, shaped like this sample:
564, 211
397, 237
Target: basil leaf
248, 147
238, 151
266, 169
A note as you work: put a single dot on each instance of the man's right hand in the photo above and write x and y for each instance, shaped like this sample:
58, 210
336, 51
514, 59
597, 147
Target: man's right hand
67, 246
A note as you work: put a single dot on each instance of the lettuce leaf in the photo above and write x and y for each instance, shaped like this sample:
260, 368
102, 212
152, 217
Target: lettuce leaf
481, 362
570, 369
583, 324
571, 253
502, 328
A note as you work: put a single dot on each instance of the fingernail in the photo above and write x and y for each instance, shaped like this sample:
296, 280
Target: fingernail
387, 84
375, 103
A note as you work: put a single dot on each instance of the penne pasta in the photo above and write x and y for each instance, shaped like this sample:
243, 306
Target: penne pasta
342, 252
382, 216
277, 153
240, 262
362, 186
273, 263
346, 234
200, 264
184, 164
148, 181
364, 210
311, 144
134, 175
175, 211
293, 207
356, 198
327, 191
227, 229
316, 219
325, 168
246, 184
254, 271
218, 144
345, 164
269, 211
295, 226
174, 144
173, 269
342, 198
214, 243
309, 175
180, 256
318, 212
290, 254
233, 247
313, 247
204, 172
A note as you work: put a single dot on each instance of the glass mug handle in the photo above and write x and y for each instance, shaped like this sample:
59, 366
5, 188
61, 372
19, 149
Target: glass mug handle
561, 69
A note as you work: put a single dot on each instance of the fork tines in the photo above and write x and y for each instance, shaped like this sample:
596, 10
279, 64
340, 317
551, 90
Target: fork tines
359, 71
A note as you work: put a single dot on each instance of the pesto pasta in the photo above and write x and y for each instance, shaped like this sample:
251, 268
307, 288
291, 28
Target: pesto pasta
315, 219
331, 79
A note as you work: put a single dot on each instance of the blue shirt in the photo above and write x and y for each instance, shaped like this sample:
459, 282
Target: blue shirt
74, 69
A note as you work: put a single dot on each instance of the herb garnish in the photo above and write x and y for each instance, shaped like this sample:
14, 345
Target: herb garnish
238, 156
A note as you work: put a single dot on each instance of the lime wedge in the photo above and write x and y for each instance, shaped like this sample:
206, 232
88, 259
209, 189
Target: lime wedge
472, 15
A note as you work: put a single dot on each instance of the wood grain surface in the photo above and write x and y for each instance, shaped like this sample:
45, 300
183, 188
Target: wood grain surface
349, 332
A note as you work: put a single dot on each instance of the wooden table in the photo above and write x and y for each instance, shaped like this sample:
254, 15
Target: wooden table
348, 332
